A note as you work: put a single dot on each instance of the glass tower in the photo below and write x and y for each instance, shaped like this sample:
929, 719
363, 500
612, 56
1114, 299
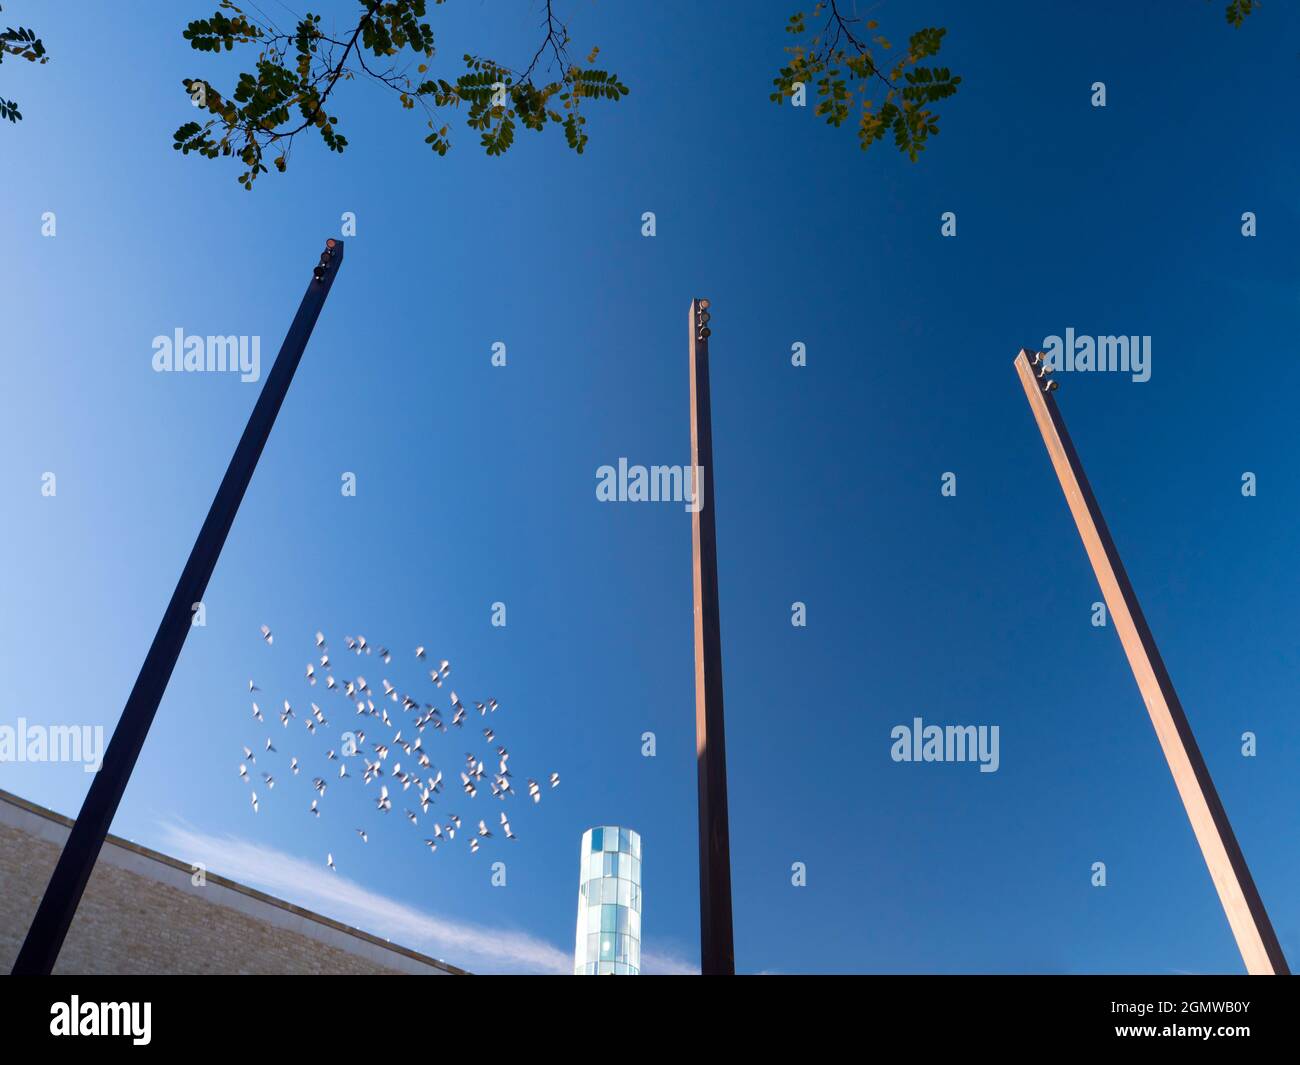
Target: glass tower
609, 904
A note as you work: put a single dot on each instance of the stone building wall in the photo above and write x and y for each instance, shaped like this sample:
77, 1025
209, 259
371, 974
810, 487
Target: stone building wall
142, 914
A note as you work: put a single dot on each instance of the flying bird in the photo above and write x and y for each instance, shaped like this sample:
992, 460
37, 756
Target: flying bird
473, 776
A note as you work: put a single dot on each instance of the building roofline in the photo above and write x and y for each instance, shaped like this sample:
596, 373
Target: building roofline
233, 885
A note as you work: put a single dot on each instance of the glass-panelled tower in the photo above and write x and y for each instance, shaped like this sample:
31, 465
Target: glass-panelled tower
609, 904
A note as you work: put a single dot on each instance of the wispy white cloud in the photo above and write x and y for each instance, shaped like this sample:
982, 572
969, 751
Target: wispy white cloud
478, 948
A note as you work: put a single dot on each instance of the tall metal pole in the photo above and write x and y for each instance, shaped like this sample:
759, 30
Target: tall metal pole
1241, 902
717, 954
45, 938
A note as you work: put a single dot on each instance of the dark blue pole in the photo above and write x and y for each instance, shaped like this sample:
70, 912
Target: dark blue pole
63, 894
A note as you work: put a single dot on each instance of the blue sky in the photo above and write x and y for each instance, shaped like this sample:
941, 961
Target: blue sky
476, 484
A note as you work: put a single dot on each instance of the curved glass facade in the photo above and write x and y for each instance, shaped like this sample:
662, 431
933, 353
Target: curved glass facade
609, 904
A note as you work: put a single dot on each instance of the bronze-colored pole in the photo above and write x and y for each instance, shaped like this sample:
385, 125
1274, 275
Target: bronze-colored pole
1242, 904
717, 953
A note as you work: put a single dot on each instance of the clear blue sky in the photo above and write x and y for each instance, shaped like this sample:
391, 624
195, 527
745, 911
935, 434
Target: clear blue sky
476, 484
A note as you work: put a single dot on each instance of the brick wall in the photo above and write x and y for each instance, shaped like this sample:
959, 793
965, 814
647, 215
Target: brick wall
142, 914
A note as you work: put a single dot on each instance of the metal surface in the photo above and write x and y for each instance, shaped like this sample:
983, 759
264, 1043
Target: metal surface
45, 938
1242, 904
717, 954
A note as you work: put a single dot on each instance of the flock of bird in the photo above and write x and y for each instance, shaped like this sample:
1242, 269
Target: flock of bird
414, 717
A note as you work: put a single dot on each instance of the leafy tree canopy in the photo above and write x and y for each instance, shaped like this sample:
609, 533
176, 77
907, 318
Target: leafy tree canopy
849, 73
846, 62
294, 75
24, 44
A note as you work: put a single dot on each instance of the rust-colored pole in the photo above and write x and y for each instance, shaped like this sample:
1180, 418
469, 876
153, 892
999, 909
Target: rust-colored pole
717, 953
1242, 904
